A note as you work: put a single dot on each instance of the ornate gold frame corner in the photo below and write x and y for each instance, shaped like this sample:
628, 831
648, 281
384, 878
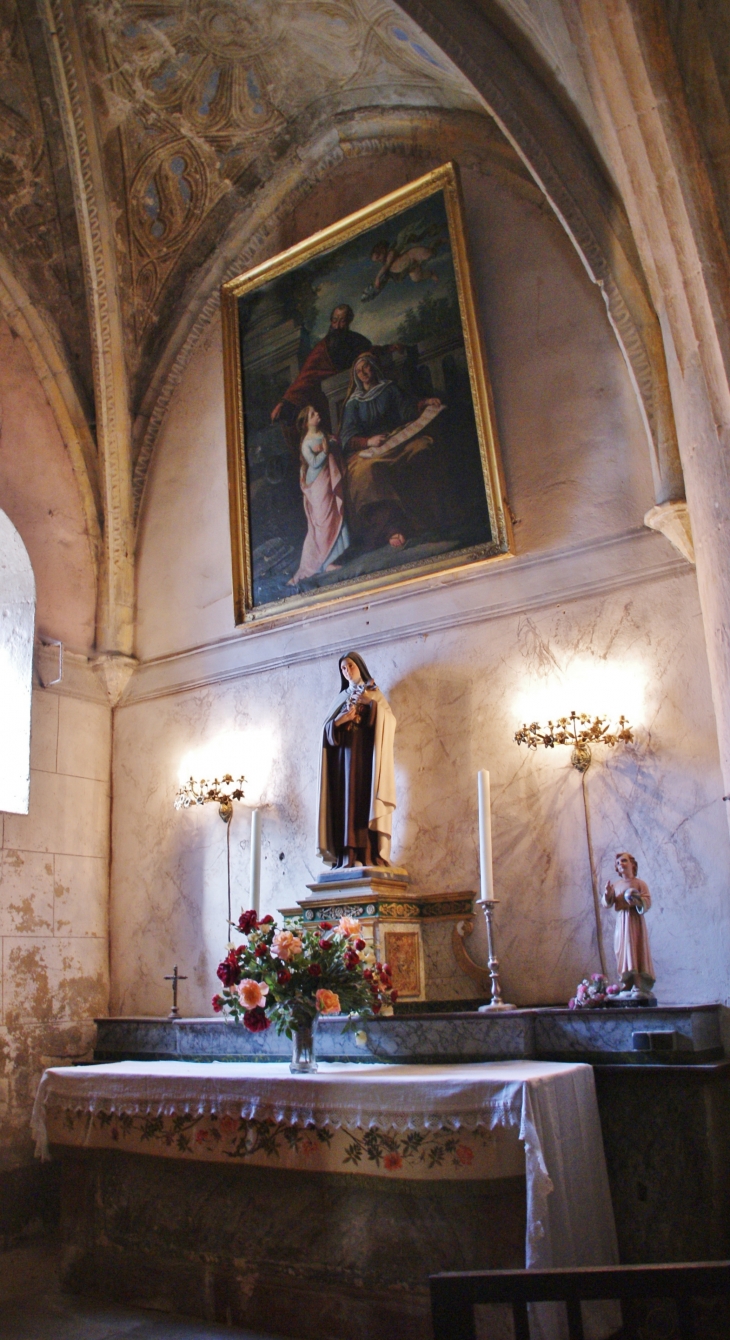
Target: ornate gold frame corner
446, 179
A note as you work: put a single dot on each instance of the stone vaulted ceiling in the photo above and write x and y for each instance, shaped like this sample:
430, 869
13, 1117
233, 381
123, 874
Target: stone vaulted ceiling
150, 148
37, 217
198, 101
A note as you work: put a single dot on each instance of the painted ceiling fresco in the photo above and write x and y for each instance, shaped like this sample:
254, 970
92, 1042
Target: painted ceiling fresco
198, 100
37, 218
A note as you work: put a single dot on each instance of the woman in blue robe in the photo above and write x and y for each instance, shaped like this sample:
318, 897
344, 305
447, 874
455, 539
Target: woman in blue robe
384, 503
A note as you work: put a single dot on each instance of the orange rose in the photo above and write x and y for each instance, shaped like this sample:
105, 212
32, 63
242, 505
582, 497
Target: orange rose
286, 945
328, 1002
252, 994
348, 926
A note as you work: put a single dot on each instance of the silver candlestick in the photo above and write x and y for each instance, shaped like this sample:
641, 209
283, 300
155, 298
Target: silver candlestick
496, 1003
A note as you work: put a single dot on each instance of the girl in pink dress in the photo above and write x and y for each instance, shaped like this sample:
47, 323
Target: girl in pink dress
320, 478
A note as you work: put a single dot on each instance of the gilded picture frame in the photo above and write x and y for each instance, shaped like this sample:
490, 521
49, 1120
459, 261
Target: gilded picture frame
362, 449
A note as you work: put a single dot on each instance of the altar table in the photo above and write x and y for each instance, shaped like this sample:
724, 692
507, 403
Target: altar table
472, 1123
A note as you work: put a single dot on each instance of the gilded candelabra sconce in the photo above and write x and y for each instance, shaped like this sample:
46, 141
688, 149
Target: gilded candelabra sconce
222, 793
580, 732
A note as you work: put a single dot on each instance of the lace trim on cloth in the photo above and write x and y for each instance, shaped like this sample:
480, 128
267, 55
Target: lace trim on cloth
569, 1212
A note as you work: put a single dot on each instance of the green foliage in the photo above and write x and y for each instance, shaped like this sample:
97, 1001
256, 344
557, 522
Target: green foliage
432, 316
300, 971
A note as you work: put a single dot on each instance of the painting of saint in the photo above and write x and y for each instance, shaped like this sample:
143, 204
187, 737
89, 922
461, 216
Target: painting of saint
361, 445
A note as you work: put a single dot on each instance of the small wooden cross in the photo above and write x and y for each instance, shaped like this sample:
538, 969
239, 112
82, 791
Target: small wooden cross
175, 978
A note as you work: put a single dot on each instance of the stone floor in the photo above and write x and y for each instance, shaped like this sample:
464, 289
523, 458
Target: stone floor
32, 1307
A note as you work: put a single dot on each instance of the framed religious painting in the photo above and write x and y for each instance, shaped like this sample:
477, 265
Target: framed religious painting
362, 450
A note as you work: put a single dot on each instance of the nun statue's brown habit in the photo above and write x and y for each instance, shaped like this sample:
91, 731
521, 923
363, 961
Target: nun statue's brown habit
357, 775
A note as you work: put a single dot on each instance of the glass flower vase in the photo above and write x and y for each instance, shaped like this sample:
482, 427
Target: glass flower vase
302, 1053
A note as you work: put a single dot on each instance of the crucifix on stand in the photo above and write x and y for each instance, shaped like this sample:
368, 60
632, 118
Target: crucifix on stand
175, 978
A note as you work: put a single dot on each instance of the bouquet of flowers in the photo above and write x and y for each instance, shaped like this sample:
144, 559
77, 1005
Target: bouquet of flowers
289, 977
593, 992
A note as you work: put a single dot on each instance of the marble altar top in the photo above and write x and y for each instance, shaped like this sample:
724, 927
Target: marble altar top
678, 1035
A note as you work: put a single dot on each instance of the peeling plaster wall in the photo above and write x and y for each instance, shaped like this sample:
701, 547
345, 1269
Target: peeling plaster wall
587, 583
54, 861
53, 905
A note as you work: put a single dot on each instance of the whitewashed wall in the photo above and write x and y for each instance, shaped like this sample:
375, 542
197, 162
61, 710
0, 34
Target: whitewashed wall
591, 599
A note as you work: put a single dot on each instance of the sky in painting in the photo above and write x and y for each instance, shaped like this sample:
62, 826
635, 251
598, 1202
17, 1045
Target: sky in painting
343, 274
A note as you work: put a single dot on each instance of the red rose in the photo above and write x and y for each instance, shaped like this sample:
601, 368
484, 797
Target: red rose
217, 1004
385, 970
314, 970
283, 977
268, 920
394, 996
325, 925
256, 1021
376, 1007
247, 922
325, 944
360, 945
368, 974
261, 951
351, 959
229, 971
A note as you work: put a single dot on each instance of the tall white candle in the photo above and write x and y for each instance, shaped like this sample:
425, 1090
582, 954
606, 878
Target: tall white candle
255, 859
486, 880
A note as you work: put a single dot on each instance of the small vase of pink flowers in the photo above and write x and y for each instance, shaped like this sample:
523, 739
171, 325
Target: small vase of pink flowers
593, 993
289, 977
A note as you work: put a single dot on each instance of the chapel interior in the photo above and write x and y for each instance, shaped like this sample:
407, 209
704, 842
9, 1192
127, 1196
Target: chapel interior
152, 151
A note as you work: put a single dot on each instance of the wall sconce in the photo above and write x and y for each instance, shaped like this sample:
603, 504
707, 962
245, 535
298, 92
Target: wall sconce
221, 793
580, 731
224, 792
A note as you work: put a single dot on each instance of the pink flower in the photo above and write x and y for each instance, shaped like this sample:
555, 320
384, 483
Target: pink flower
328, 1002
348, 926
252, 993
285, 945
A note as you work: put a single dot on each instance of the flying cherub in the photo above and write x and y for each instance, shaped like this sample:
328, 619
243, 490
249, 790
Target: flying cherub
415, 244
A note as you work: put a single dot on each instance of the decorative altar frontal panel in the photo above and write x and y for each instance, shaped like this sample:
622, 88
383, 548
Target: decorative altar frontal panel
361, 442
442, 1155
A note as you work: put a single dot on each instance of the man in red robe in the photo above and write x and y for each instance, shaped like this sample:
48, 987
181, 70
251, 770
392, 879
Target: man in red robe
335, 353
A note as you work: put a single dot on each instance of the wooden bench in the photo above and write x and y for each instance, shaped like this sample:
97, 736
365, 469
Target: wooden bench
454, 1295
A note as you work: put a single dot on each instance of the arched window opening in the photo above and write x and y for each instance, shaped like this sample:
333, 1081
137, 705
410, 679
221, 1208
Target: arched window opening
17, 619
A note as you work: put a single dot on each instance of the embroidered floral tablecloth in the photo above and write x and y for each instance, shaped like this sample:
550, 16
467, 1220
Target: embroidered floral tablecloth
483, 1120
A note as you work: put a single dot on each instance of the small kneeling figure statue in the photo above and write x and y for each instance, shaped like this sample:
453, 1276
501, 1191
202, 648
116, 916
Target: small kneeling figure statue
631, 899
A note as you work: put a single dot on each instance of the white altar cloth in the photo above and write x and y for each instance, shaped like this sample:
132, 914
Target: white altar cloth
552, 1105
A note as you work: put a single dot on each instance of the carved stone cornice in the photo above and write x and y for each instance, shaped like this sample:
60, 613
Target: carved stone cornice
97, 236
